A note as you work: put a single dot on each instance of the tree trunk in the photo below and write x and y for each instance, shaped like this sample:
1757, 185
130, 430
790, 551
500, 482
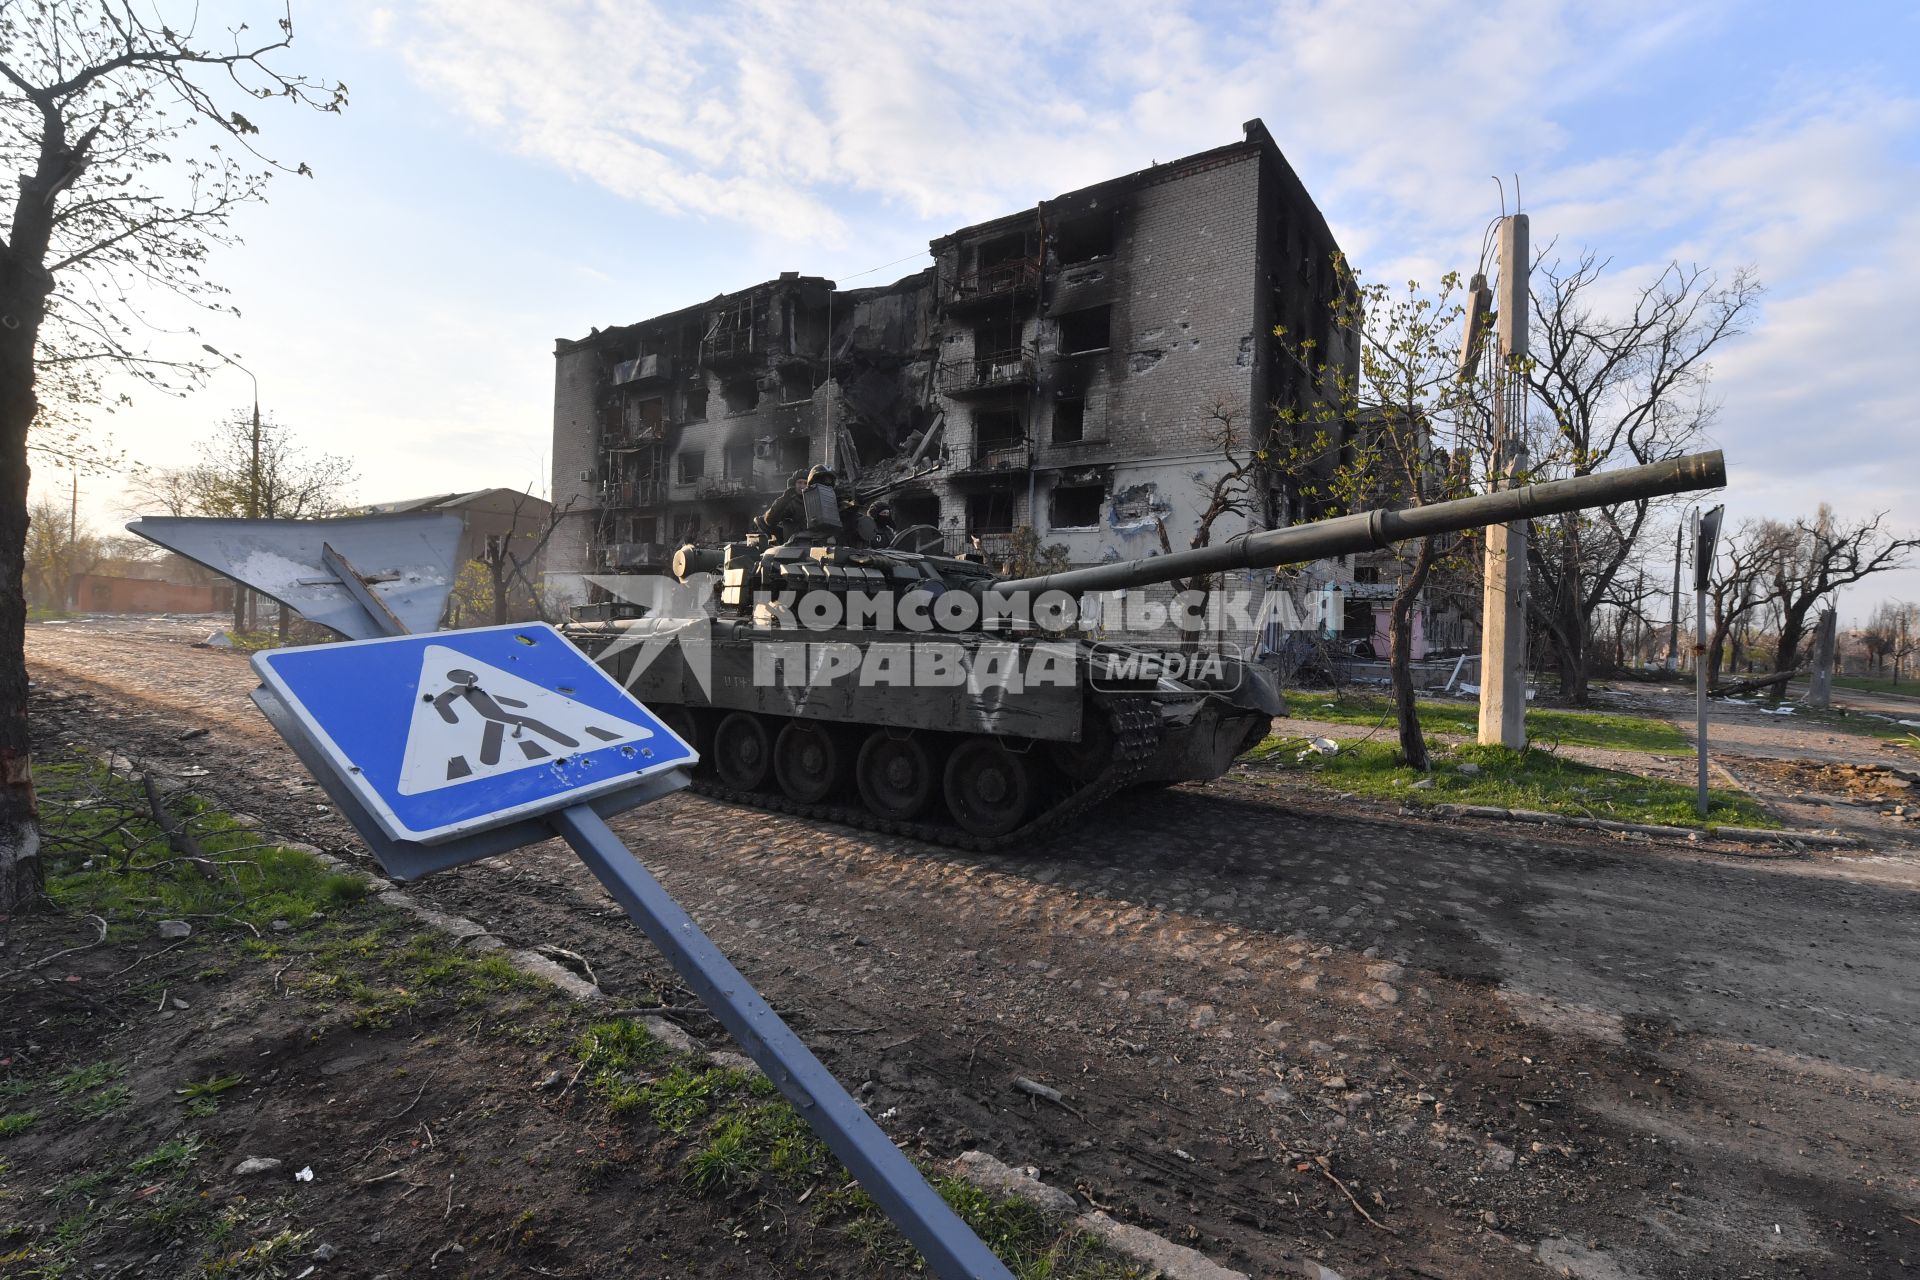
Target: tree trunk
1793, 625
21, 875
1413, 744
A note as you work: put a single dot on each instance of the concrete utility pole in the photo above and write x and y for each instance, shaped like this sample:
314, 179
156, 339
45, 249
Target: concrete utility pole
243, 601
1820, 684
1503, 606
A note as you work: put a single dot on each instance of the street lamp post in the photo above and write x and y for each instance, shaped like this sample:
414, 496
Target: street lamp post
253, 467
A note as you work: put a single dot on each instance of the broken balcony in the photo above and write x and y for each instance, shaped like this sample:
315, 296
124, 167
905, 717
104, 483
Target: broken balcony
731, 348
633, 493
983, 375
643, 371
1001, 282
995, 454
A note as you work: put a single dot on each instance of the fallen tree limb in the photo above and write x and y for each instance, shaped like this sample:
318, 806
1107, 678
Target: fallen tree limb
1755, 683
179, 839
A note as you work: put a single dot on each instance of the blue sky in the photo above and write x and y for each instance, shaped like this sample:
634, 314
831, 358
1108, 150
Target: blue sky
509, 173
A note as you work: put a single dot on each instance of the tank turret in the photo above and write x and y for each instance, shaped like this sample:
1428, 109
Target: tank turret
927, 695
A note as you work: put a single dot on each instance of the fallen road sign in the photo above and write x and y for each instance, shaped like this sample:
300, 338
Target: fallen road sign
450, 733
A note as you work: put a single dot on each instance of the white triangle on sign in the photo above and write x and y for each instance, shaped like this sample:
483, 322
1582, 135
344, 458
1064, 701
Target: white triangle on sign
472, 721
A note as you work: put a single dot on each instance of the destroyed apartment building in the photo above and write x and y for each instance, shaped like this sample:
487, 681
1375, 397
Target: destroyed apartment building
1064, 370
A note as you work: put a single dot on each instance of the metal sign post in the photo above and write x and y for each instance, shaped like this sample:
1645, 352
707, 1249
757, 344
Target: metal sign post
446, 747
1706, 533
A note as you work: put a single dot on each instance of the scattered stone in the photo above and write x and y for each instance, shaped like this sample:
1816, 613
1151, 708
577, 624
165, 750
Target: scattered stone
256, 1164
1470, 769
1382, 993
1203, 1017
279, 926
325, 1253
1174, 1261
1499, 1157
172, 930
989, 1174
553, 1080
1425, 784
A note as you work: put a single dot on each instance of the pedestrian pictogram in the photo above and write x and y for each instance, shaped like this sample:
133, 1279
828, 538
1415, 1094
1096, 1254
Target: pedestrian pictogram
472, 721
454, 732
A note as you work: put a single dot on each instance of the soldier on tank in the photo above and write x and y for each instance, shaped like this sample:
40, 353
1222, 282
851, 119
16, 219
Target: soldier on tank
881, 515
787, 515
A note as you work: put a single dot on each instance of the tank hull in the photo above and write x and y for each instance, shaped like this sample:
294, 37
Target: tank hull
1085, 719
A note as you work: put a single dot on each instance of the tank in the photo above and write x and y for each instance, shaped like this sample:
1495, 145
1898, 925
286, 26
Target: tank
923, 695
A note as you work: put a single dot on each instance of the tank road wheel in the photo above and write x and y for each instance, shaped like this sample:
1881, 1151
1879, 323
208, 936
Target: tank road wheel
896, 775
680, 720
808, 761
989, 788
1087, 759
742, 751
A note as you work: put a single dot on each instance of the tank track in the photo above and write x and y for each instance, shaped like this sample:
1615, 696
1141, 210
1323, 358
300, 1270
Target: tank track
1136, 733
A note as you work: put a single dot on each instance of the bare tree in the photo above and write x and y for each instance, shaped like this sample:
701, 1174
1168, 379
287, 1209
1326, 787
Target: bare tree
58, 551
111, 195
1615, 389
1392, 433
506, 559
1818, 559
1230, 491
1743, 567
274, 477
1881, 636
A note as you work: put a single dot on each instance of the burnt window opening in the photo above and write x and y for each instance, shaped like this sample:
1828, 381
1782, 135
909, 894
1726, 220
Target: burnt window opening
990, 513
796, 383
1085, 239
1085, 331
644, 529
738, 461
690, 465
697, 402
993, 253
996, 427
1076, 506
910, 509
793, 453
996, 336
687, 527
742, 395
642, 418
1069, 420
1366, 573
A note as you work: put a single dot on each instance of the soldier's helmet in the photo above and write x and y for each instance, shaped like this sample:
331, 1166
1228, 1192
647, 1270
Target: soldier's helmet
820, 475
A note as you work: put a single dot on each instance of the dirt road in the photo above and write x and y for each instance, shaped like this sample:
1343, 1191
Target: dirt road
1524, 1056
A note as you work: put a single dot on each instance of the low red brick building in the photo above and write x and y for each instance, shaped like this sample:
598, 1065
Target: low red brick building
100, 593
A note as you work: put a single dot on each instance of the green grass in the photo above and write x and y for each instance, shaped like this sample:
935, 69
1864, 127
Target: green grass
1910, 686
171, 1155
1548, 727
92, 814
1864, 723
740, 1141
91, 1076
728, 1132
105, 1102
1532, 779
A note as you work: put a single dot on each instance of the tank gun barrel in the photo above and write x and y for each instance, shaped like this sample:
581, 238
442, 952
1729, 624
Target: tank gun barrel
1371, 530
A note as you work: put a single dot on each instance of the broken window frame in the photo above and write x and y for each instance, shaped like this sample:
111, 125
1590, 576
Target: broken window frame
1072, 322
1076, 494
689, 466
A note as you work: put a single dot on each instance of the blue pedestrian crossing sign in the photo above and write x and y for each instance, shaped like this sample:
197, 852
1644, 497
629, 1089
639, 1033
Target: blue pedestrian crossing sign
448, 733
